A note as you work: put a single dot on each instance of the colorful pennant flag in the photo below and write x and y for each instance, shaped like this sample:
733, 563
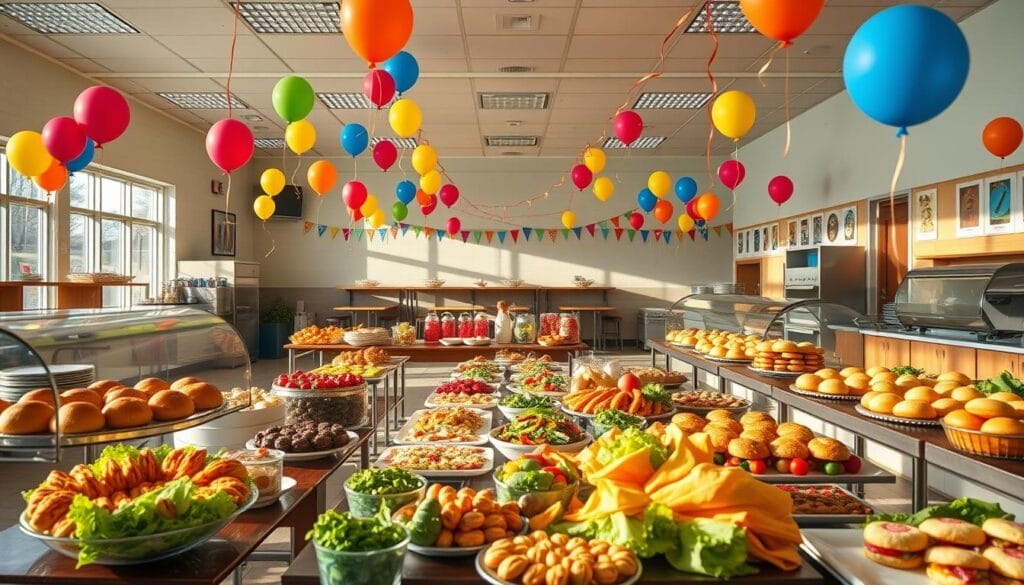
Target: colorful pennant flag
579, 231
604, 232
490, 236
501, 237
644, 234
307, 226
526, 233
515, 236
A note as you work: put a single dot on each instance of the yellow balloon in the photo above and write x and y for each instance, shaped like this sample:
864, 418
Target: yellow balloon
405, 117
604, 188
424, 159
264, 207
568, 219
594, 159
272, 181
660, 183
430, 182
368, 206
300, 136
733, 113
27, 154
686, 222
377, 219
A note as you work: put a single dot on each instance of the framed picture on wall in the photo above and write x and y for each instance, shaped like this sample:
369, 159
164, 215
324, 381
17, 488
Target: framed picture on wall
757, 240
969, 210
805, 231
747, 242
775, 237
817, 229
223, 229
1002, 200
739, 244
764, 239
832, 227
926, 214
849, 226
791, 234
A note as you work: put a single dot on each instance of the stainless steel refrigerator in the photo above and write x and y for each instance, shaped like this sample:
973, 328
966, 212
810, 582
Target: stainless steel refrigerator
230, 290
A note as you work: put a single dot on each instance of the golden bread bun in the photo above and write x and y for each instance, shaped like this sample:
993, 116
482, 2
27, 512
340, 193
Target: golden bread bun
826, 373
79, 417
787, 447
101, 387
152, 385
718, 414
965, 393
794, 430
945, 405
177, 384
858, 383
718, 352
907, 381
756, 416
689, 422
719, 438
764, 346
962, 378
851, 370
885, 376
759, 435
784, 345
205, 396
4, 405
1018, 406
81, 395
735, 354
727, 424
808, 382
1003, 425
833, 386
988, 408
946, 387
828, 449
887, 387
747, 449
928, 381
884, 402
876, 370
127, 412
866, 399
1005, 397
125, 393
26, 418
171, 405
38, 395
914, 409
922, 394
961, 419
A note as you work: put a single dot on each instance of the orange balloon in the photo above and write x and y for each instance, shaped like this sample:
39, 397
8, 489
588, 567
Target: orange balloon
1002, 136
663, 210
53, 178
782, 20
376, 29
707, 206
422, 197
322, 177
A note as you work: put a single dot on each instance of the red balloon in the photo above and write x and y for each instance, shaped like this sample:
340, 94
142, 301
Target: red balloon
454, 225
581, 176
355, 214
64, 139
663, 210
385, 154
103, 113
378, 87
429, 207
707, 206
691, 209
354, 194
1001, 136
448, 194
636, 219
628, 126
731, 173
780, 189
229, 144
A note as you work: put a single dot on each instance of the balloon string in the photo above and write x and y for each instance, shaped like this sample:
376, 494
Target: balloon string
771, 57
227, 197
273, 242
319, 205
298, 163
892, 195
789, 130
231, 58
714, 94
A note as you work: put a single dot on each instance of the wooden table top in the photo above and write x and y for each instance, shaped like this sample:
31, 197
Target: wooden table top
421, 346
366, 307
27, 560
585, 308
465, 288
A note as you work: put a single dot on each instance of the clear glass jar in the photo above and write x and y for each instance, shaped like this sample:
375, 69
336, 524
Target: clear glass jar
405, 334
481, 325
265, 466
524, 329
549, 323
569, 327
448, 328
465, 325
431, 327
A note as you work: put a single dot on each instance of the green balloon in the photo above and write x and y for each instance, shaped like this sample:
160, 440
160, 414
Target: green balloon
399, 211
293, 98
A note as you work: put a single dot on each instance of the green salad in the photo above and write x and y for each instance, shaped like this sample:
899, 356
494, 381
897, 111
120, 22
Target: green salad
968, 509
616, 418
382, 481
630, 441
1004, 382
483, 373
527, 401
539, 426
343, 532
536, 473
904, 370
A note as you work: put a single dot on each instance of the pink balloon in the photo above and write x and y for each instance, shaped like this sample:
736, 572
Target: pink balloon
64, 138
581, 176
229, 144
780, 189
636, 219
103, 113
732, 172
353, 194
385, 154
454, 225
379, 87
448, 194
628, 126
691, 209
429, 207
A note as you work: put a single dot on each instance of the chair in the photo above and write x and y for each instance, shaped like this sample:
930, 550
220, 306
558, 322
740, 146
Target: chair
611, 325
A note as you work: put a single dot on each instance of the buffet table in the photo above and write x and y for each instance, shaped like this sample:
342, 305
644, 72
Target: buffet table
421, 351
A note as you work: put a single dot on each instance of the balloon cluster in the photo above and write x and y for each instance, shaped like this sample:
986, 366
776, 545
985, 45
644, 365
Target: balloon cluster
653, 199
68, 144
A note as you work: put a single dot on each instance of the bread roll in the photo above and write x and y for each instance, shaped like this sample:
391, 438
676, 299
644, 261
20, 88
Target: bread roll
914, 409
151, 385
783, 345
113, 395
26, 418
988, 408
922, 394
81, 395
182, 382
1003, 425
4, 405
205, 396
808, 382
883, 403
79, 417
961, 419
101, 387
944, 406
127, 412
851, 370
38, 395
171, 405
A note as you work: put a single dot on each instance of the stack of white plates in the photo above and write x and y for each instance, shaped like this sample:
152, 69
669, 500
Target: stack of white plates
367, 337
16, 381
889, 315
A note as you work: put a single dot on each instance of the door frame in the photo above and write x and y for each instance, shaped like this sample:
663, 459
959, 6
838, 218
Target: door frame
873, 245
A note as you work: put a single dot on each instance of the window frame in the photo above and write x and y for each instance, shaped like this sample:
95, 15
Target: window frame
45, 206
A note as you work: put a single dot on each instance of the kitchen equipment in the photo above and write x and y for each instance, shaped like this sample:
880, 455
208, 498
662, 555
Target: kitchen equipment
230, 290
829, 273
983, 298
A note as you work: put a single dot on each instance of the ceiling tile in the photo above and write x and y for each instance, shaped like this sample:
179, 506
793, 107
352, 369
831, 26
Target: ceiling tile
454, 65
331, 65
427, 47
627, 19
117, 46
46, 45
84, 65
436, 21
500, 47
178, 19
753, 85
493, 118
214, 46
309, 46
505, 3
536, 65
178, 84
524, 151
220, 65
146, 65
828, 86
516, 85
487, 21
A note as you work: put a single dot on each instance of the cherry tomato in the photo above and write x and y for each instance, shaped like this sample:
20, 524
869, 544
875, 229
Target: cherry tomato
629, 382
782, 466
799, 466
834, 468
757, 466
735, 461
853, 464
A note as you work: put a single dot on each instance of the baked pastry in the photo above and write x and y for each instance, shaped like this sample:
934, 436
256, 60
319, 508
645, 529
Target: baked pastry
125, 392
180, 382
824, 500
965, 393
171, 405
127, 412
922, 394
876, 370
880, 538
727, 424
835, 386
828, 449
657, 375
689, 422
795, 430
719, 437
205, 396
1008, 397
1003, 425
760, 435
808, 382
788, 448
946, 387
826, 373
78, 417
152, 385
747, 449
26, 418
953, 531
81, 395
961, 419
944, 406
858, 383
708, 399
1007, 565
907, 381
961, 378
988, 408
914, 409
4, 405
1004, 533
718, 414
884, 402
784, 346
101, 387
38, 395
851, 370
756, 416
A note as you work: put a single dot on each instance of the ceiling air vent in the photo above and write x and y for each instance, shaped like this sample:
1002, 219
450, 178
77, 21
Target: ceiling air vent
291, 17
726, 17
671, 100
515, 69
76, 18
517, 22
202, 100
511, 153
642, 142
270, 143
512, 140
513, 101
398, 142
344, 101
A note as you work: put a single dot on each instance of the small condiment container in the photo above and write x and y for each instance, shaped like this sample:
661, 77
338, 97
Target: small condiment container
266, 468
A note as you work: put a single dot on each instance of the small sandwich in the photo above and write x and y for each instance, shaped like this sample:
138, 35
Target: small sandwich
952, 565
953, 532
1007, 565
899, 546
1004, 533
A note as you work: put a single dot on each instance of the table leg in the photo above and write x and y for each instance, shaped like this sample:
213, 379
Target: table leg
402, 375
668, 363
387, 415
320, 358
303, 516
291, 360
364, 455
654, 358
373, 415
919, 481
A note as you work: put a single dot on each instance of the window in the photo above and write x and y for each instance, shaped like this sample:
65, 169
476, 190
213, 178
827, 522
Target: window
24, 225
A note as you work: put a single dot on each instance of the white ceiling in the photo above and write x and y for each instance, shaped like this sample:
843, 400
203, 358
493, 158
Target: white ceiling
586, 53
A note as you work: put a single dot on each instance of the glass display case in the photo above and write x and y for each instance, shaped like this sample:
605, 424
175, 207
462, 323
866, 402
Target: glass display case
52, 352
984, 298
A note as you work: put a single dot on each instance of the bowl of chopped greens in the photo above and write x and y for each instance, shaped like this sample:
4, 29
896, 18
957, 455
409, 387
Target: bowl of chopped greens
358, 551
538, 426
514, 405
536, 481
608, 419
370, 489
481, 373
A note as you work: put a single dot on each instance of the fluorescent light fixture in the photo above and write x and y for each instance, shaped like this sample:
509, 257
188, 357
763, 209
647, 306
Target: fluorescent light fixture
344, 100
73, 18
515, 69
642, 142
726, 17
512, 140
291, 17
270, 143
398, 142
190, 100
671, 100
514, 101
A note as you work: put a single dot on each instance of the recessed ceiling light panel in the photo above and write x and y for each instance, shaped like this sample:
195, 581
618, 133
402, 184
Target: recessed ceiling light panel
512, 140
74, 18
642, 142
671, 100
291, 17
726, 17
398, 142
344, 100
514, 101
270, 143
202, 100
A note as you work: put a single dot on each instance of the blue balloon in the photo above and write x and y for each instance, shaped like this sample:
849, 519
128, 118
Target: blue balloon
406, 191
354, 138
82, 160
404, 69
686, 189
646, 200
905, 65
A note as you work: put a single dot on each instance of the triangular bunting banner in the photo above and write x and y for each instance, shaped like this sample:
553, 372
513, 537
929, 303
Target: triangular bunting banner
618, 234
490, 236
405, 228
553, 235
718, 230
439, 234
565, 233
465, 235
359, 233
477, 234
657, 235
334, 232
631, 233
369, 235
307, 226
345, 233
515, 236
416, 230
728, 228
704, 234
579, 231
428, 232
692, 234
615, 221
603, 223
321, 229
668, 236
604, 232
382, 232
645, 234
526, 233
394, 233
590, 229
501, 237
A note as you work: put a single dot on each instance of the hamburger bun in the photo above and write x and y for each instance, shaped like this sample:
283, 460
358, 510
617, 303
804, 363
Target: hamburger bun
884, 403
961, 419
784, 346
1006, 531
763, 347
719, 438
946, 387
180, 382
876, 370
1018, 406
747, 449
887, 387
81, 395
101, 387
1003, 425
922, 394
808, 382
828, 449
943, 559
907, 381
38, 395
127, 412
858, 383
961, 378
885, 376
914, 409
727, 424
988, 408
152, 385
205, 396
759, 435
79, 417
928, 381
965, 393
953, 531
689, 422
1005, 397
795, 431
171, 405
756, 416
788, 448
899, 546
944, 406
833, 386
124, 393
826, 373
866, 398
26, 418
851, 370
718, 414
1006, 562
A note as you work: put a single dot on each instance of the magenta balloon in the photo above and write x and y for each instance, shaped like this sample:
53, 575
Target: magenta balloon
103, 113
385, 154
229, 144
454, 225
429, 207
628, 126
64, 139
691, 210
581, 176
636, 219
780, 189
448, 194
731, 173
378, 87
353, 194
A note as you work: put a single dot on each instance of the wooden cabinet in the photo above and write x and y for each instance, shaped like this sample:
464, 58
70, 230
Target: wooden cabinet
992, 363
850, 348
936, 358
885, 351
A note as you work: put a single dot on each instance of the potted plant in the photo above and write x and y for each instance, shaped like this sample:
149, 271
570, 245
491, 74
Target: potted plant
276, 325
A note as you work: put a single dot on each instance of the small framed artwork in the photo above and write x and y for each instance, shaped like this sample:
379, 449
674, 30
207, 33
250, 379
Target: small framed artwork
926, 214
1020, 194
849, 226
757, 240
969, 210
805, 231
791, 234
775, 237
832, 227
817, 229
747, 243
1003, 203
223, 230
764, 239
739, 244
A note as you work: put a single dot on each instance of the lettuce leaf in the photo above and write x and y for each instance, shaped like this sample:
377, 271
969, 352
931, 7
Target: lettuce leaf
710, 547
970, 509
656, 533
630, 441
